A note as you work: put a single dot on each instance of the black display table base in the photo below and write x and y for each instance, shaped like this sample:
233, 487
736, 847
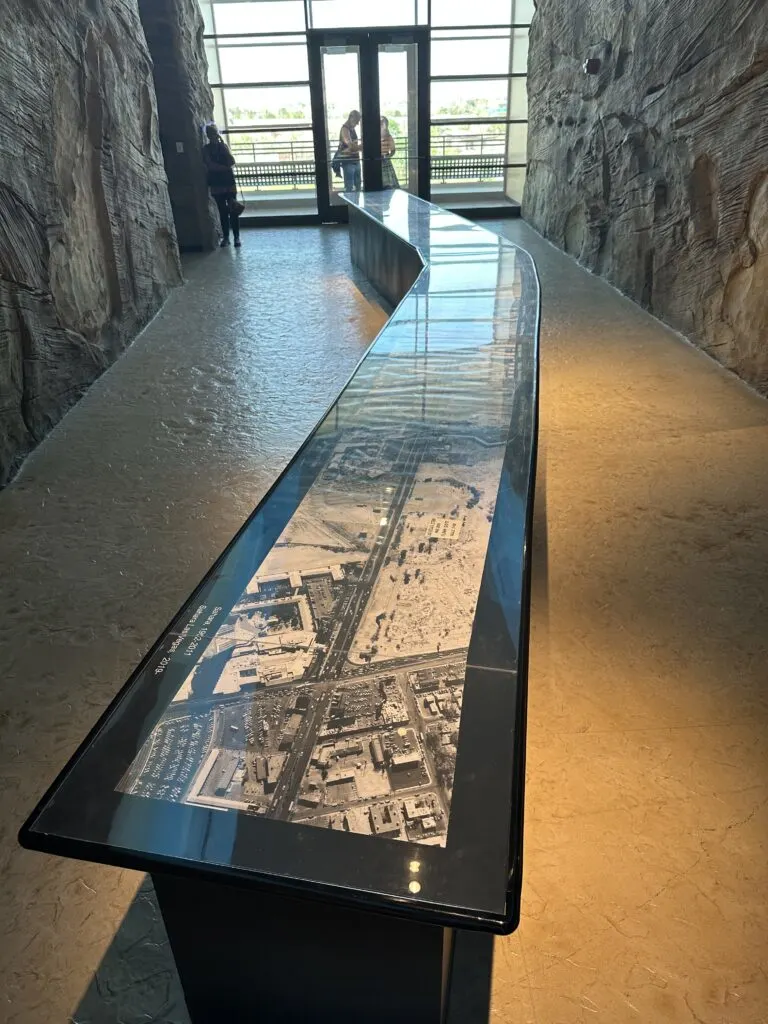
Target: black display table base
246, 955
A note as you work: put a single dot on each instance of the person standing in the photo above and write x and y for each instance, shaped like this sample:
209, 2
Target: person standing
348, 153
221, 181
388, 150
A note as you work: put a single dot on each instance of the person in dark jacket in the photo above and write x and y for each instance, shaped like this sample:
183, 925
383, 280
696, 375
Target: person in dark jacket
221, 181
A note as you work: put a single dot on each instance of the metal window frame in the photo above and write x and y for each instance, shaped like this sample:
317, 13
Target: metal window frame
261, 85
506, 76
430, 32
368, 41
303, 126
223, 43
430, 27
439, 121
503, 34
472, 28
300, 33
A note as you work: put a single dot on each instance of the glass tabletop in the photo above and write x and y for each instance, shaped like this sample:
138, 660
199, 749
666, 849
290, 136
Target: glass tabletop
339, 708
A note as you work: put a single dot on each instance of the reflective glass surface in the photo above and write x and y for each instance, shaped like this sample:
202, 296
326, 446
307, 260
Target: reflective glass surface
341, 98
399, 102
340, 707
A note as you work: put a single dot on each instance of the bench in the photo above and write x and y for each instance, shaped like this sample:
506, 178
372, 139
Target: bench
292, 173
321, 760
267, 175
472, 167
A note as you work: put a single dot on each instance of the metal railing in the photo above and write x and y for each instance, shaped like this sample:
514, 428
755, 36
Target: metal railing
289, 164
271, 151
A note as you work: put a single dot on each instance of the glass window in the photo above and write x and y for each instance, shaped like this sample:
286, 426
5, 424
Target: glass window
263, 61
469, 99
517, 143
518, 99
475, 53
361, 13
520, 51
219, 113
283, 145
515, 183
273, 165
465, 156
269, 164
468, 140
523, 12
212, 55
398, 102
259, 16
459, 12
341, 93
207, 11
260, 106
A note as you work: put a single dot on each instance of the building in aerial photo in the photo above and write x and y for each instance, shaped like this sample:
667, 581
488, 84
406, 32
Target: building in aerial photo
331, 694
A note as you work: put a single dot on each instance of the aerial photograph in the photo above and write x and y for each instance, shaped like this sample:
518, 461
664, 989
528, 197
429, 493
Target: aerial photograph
331, 695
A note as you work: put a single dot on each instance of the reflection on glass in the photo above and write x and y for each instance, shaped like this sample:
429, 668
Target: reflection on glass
323, 684
318, 676
398, 102
341, 92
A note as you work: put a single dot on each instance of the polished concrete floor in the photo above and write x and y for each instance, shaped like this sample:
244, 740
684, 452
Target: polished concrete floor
646, 874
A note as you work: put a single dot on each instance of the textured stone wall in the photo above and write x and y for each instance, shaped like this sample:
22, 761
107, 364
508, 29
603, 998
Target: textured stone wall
654, 173
87, 244
174, 31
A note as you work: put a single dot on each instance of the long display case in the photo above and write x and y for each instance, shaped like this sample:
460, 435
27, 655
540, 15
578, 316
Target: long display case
332, 729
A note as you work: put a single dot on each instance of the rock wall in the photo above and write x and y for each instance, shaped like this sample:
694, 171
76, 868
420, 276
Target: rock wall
87, 244
654, 172
174, 31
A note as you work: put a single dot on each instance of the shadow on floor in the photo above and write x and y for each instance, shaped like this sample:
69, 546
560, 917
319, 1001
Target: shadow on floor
137, 983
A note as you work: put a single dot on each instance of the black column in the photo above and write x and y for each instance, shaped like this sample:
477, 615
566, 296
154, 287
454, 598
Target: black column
174, 33
371, 112
246, 955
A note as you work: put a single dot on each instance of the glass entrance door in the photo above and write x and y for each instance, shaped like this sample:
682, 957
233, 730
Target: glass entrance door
370, 113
